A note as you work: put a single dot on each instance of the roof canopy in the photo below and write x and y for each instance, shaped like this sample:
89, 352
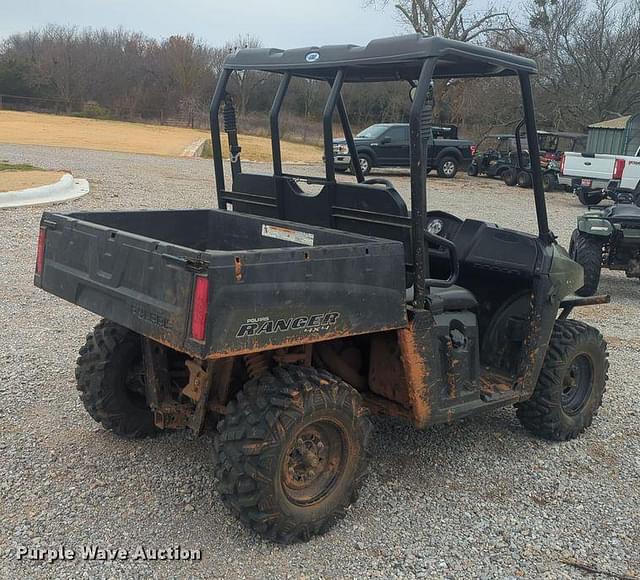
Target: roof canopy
385, 59
617, 123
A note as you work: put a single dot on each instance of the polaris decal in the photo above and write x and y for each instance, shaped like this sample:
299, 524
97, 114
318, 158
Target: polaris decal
310, 324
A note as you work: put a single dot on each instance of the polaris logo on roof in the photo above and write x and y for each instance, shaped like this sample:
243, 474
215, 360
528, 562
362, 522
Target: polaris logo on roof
312, 56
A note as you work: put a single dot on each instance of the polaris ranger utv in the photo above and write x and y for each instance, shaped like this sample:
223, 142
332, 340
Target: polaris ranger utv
286, 317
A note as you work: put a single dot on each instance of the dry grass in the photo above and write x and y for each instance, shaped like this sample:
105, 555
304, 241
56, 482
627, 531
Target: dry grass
58, 131
17, 180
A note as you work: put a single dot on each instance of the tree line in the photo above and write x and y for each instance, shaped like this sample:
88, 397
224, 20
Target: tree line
588, 56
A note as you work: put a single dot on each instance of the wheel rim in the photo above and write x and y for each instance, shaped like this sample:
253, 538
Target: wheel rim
448, 167
577, 384
314, 463
364, 164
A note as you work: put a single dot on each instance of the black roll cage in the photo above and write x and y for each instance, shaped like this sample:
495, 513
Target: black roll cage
416, 146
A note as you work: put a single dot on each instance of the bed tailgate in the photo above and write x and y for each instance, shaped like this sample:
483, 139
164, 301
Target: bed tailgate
139, 283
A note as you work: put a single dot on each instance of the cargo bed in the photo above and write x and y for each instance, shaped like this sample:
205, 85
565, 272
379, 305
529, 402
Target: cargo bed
260, 283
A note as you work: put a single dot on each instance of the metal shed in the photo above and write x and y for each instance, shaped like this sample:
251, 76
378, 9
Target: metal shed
619, 136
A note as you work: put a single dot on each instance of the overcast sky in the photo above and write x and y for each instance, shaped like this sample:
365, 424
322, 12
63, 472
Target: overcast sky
278, 23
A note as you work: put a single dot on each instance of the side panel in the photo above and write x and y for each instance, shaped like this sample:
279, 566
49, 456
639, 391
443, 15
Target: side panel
274, 299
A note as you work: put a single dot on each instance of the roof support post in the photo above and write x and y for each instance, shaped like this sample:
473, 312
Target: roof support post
419, 185
274, 117
327, 124
348, 136
534, 154
216, 146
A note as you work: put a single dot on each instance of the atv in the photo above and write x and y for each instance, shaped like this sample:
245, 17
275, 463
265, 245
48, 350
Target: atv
285, 318
608, 237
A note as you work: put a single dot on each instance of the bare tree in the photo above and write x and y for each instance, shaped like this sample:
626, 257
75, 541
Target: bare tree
456, 19
246, 82
589, 59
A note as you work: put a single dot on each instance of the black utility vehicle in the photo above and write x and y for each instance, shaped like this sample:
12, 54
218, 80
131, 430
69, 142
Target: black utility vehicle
286, 317
608, 237
496, 158
387, 145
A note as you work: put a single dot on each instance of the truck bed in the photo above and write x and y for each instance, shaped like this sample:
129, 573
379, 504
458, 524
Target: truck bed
268, 283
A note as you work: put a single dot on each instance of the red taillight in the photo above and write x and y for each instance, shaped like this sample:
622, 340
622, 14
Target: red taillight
618, 168
42, 240
200, 308
474, 149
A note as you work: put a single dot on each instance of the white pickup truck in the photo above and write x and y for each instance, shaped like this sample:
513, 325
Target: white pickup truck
592, 175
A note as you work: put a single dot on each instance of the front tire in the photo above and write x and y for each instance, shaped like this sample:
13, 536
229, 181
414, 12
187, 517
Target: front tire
110, 378
571, 383
447, 167
587, 251
549, 181
292, 452
472, 170
365, 163
509, 177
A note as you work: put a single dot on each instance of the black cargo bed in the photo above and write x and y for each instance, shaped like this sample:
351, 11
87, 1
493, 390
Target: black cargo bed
270, 283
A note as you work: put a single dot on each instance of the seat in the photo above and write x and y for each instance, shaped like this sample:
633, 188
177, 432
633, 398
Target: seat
448, 299
625, 211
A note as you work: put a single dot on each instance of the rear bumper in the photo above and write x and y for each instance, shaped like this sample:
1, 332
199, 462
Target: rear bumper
576, 182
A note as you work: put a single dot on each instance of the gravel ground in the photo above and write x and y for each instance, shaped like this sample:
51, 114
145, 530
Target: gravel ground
481, 498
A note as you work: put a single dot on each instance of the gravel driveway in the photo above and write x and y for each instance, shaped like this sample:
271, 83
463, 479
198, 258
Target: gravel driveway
481, 498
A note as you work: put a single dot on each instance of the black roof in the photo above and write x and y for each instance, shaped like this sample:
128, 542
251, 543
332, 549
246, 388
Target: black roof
384, 59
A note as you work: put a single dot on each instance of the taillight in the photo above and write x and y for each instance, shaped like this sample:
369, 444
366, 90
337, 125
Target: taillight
474, 149
618, 168
562, 158
42, 240
200, 308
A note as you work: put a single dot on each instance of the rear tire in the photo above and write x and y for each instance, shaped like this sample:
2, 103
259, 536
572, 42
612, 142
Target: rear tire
110, 378
447, 167
587, 251
472, 170
292, 452
524, 179
509, 177
571, 383
590, 197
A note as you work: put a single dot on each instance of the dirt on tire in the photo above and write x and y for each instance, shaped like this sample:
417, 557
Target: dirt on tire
102, 373
545, 414
253, 446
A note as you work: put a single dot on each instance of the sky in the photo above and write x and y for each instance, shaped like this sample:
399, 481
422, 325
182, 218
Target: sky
278, 23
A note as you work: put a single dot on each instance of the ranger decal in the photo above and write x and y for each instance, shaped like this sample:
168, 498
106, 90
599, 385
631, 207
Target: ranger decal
264, 325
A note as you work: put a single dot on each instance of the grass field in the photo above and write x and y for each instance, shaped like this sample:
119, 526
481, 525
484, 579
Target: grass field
59, 131
14, 177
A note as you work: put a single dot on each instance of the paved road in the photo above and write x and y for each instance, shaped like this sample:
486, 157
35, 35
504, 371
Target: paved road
477, 499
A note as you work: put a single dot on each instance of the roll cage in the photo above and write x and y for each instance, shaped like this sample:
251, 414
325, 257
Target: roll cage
412, 58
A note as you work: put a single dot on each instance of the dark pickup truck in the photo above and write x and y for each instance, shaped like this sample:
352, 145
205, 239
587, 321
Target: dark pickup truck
387, 145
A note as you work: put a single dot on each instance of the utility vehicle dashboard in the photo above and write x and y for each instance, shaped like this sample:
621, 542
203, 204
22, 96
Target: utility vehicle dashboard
478, 244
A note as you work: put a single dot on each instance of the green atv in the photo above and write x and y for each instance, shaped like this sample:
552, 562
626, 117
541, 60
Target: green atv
607, 237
